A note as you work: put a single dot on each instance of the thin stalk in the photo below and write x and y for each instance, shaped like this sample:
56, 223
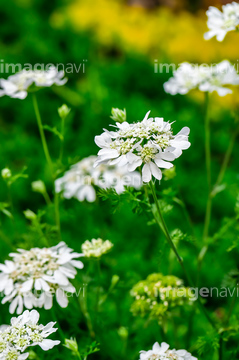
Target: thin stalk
49, 161
226, 158
62, 141
58, 324
42, 134
220, 350
98, 285
208, 168
179, 258
218, 182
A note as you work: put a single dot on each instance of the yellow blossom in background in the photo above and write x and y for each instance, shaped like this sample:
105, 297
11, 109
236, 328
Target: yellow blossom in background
160, 33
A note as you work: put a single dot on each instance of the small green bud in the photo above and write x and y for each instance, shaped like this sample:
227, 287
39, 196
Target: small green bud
118, 115
63, 111
123, 332
71, 344
30, 215
38, 186
114, 280
6, 173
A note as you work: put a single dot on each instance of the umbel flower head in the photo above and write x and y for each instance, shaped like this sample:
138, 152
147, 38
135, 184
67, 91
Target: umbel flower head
158, 295
162, 352
33, 277
221, 22
96, 247
207, 79
82, 179
23, 333
149, 143
17, 85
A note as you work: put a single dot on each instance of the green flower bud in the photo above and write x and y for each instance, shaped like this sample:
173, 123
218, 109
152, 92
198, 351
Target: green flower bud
6, 173
71, 344
30, 215
123, 332
38, 186
63, 111
118, 115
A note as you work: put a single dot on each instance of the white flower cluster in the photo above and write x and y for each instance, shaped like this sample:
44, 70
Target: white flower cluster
96, 247
162, 352
34, 276
24, 332
17, 85
150, 143
207, 79
221, 22
81, 179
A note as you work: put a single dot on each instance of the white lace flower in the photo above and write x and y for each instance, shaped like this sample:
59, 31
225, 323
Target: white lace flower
221, 22
207, 79
96, 247
80, 181
25, 332
32, 278
162, 352
17, 85
149, 143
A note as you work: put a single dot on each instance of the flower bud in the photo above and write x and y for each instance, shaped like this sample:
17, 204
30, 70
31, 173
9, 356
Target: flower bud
30, 215
123, 332
63, 111
71, 344
38, 186
6, 173
118, 115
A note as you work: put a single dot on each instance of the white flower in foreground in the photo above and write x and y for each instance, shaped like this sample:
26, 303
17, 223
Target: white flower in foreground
17, 85
81, 179
33, 277
96, 247
162, 352
221, 22
149, 143
207, 79
24, 332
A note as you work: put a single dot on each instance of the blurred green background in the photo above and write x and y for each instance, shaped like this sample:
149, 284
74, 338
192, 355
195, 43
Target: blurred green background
120, 42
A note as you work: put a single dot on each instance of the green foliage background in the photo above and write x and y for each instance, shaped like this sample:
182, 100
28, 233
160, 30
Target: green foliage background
124, 80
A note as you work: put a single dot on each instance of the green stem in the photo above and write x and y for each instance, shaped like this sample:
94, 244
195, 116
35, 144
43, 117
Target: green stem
220, 350
62, 141
42, 135
82, 302
49, 161
180, 260
98, 285
209, 203
54, 317
226, 158
208, 168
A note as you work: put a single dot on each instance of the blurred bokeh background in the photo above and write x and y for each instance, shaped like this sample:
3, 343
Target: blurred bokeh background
119, 42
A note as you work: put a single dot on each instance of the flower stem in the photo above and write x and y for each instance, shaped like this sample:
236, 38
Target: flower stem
208, 168
98, 285
42, 134
179, 258
58, 323
49, 162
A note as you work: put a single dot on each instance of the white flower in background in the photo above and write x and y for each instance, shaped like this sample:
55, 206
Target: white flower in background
149, 143
81, 179
162, 352
17, 85
33, 277
96, 247
6, 173
207, 79
221, 22
25, 332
